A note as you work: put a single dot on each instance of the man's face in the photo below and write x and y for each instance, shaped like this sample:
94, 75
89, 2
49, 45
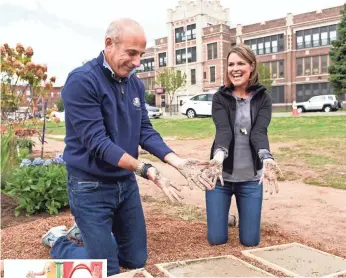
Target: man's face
125, 56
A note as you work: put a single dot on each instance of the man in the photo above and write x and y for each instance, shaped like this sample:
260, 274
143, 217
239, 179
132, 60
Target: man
106, 120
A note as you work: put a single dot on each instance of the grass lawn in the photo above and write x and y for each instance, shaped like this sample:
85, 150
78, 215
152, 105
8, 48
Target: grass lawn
283, 129
311, 148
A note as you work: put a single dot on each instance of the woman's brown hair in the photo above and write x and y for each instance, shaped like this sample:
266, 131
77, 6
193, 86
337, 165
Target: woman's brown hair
247, 54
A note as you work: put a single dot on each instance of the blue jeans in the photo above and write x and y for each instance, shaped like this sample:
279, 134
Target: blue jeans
111, 220
249, 196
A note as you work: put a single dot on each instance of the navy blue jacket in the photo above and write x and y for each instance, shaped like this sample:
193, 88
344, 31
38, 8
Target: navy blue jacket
105, 117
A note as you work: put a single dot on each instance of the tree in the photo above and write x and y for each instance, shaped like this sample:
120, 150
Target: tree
264, 76
17, 69
149, 98
337, 69
171, 80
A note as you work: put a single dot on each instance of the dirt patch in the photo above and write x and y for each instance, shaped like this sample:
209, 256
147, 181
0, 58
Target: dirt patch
170, 238
8, 219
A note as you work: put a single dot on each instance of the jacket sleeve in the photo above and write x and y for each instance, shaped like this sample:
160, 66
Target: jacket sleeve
259, 133
83, 110
224, 135
150, 140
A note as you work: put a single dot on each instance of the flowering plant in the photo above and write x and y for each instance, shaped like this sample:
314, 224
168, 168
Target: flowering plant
39, 185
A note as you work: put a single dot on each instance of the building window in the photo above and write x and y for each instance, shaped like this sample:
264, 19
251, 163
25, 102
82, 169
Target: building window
193, 76
312, 65
204, 75
306, 91
315, 37
179, 34
266, 45
299, 66
277, 94
212, 74
307, 65
148, 65
149, 83
315, 65
281, 69
274, 73
191, 32
324, 64
212, 51
162, 59
276, 69
180, 55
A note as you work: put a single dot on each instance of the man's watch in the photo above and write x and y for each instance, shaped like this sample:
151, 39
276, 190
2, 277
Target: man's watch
142, 169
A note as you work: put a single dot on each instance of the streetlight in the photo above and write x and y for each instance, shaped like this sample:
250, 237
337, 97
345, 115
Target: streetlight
186, 53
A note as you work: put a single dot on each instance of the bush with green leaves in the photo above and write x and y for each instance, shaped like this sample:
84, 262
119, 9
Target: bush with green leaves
39, 185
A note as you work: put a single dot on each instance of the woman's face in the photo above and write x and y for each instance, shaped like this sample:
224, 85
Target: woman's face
239, 71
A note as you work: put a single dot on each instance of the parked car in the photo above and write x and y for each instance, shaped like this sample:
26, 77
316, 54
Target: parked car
324, 103
153, 112
198, 105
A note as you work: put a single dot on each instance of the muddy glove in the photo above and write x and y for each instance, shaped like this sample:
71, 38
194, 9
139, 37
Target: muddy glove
213, 170
191, 169
270, 175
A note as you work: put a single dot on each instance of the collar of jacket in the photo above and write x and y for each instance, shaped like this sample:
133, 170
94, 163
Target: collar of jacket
256, 89
101, 60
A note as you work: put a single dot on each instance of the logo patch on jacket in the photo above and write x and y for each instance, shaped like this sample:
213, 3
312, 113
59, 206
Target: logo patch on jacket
136, 102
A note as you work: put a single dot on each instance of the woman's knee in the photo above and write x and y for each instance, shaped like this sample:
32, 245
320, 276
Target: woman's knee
217, 239
250, 242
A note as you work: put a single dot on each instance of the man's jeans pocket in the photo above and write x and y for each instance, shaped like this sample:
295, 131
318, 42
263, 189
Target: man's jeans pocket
81, 193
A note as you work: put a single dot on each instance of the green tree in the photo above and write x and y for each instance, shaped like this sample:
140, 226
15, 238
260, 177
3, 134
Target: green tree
337, 69
264, 76
59, 103
149, 98
171, 80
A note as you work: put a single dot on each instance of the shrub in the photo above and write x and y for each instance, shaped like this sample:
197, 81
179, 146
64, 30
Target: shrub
39, 185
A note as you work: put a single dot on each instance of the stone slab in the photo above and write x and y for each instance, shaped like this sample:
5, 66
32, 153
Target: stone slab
221, 266
295, 259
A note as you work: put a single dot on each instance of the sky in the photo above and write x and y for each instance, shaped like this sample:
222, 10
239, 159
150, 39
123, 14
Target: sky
65, 33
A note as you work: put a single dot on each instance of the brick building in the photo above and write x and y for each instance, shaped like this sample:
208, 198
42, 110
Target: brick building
295, 48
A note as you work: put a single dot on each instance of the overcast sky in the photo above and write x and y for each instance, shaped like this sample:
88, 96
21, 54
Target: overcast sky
63, 33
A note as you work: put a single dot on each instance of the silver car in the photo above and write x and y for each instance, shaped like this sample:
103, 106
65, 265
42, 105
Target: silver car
153, 112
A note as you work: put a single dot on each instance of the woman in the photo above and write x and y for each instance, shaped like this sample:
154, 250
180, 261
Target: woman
240, 156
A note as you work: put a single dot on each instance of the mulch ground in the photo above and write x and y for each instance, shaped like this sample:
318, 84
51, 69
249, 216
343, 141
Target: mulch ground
170, 238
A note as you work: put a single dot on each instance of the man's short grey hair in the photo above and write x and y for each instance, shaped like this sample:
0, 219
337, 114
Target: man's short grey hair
117, 27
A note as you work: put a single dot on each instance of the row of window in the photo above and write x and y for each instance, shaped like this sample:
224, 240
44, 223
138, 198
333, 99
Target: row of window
190, 34
180, 55
305, 91
212, 75
148, 65
312, 65
277, 69
315, 37
266, 45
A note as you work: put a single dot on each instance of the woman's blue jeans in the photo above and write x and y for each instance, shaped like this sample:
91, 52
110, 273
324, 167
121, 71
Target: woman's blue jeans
249, 196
